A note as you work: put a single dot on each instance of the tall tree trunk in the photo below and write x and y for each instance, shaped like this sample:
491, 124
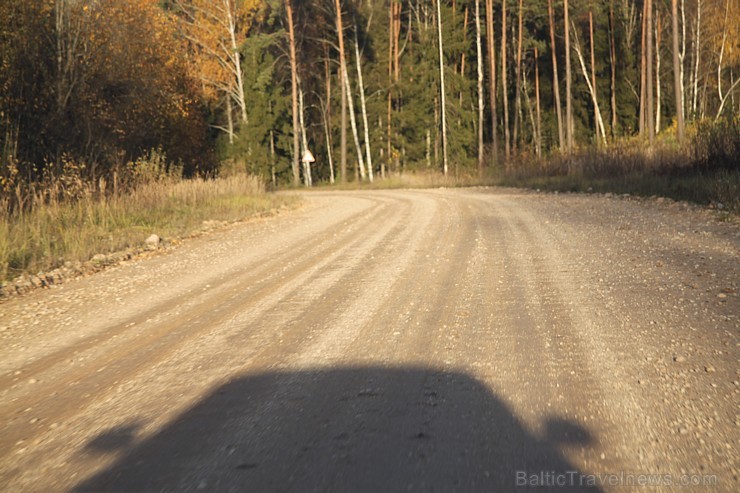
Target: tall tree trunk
479, 53
568, 81
600, 131
363, 107
682, 60
490, 46
613, 65
537, 96
722, 53
442, 88
353, 123
504, 84
658, 109
649, 76
530, 111
462, 57
678, 92
593, 67
229, 120
342, 71
555, 78
327, 134
643, 70
697, 57
396, 43
235, 56
294, 94
307, 178
389, 136
397, 67
273, 176
518, 85
327, 115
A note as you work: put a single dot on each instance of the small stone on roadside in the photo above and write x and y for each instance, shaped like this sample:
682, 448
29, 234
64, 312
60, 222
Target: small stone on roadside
153, 241
679, 359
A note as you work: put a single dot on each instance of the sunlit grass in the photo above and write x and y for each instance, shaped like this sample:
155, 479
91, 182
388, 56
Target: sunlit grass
49, 233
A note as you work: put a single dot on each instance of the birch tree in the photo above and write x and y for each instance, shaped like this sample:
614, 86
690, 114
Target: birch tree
600, 131
490, 47
479, 53
677, 86
555, 77
518, 74
568, 81
504, 85
442, 91
649, 76
363, 107
216, 29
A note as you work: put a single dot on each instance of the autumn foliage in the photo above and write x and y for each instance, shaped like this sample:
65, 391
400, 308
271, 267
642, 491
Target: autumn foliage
95, 83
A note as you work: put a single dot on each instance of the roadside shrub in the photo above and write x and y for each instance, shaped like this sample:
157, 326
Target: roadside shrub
716, 145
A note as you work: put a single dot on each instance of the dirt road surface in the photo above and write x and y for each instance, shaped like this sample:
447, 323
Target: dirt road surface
446, 340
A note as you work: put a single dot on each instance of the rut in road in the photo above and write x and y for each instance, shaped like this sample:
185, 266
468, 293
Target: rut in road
448, 340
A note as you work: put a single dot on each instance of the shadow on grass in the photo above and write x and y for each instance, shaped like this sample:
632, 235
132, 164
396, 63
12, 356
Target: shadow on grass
354, 429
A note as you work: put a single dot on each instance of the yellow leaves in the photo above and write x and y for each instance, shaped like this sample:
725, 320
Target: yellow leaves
8, 174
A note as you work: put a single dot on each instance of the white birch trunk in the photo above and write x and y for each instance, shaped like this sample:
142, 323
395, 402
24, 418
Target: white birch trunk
586, 76
682, 58
697, 55
657, 72
724, 99
442, 89
479, 53
328, 152
229, 120
307, 179
363, 107
236, 60
353, 123
722, 53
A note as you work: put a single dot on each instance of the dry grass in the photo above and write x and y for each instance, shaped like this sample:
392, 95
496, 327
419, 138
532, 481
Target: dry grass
706, 170
50, 229
418, 180
679, 174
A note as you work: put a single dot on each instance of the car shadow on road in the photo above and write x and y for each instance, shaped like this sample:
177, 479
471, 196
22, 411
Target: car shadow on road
353, 429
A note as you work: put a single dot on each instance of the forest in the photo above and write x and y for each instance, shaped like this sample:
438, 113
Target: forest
372, 87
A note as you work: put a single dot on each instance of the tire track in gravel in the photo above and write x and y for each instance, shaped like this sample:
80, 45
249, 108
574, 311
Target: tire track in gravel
303, 328
358, 333
248, 275
545, 316
128, 356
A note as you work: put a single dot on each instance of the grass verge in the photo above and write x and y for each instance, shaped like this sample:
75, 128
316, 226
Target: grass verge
50, 233
705, 170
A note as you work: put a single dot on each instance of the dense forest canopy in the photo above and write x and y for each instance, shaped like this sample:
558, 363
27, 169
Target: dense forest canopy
371, 87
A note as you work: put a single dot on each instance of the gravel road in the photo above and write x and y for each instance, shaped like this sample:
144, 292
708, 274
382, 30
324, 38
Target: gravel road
442, 340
